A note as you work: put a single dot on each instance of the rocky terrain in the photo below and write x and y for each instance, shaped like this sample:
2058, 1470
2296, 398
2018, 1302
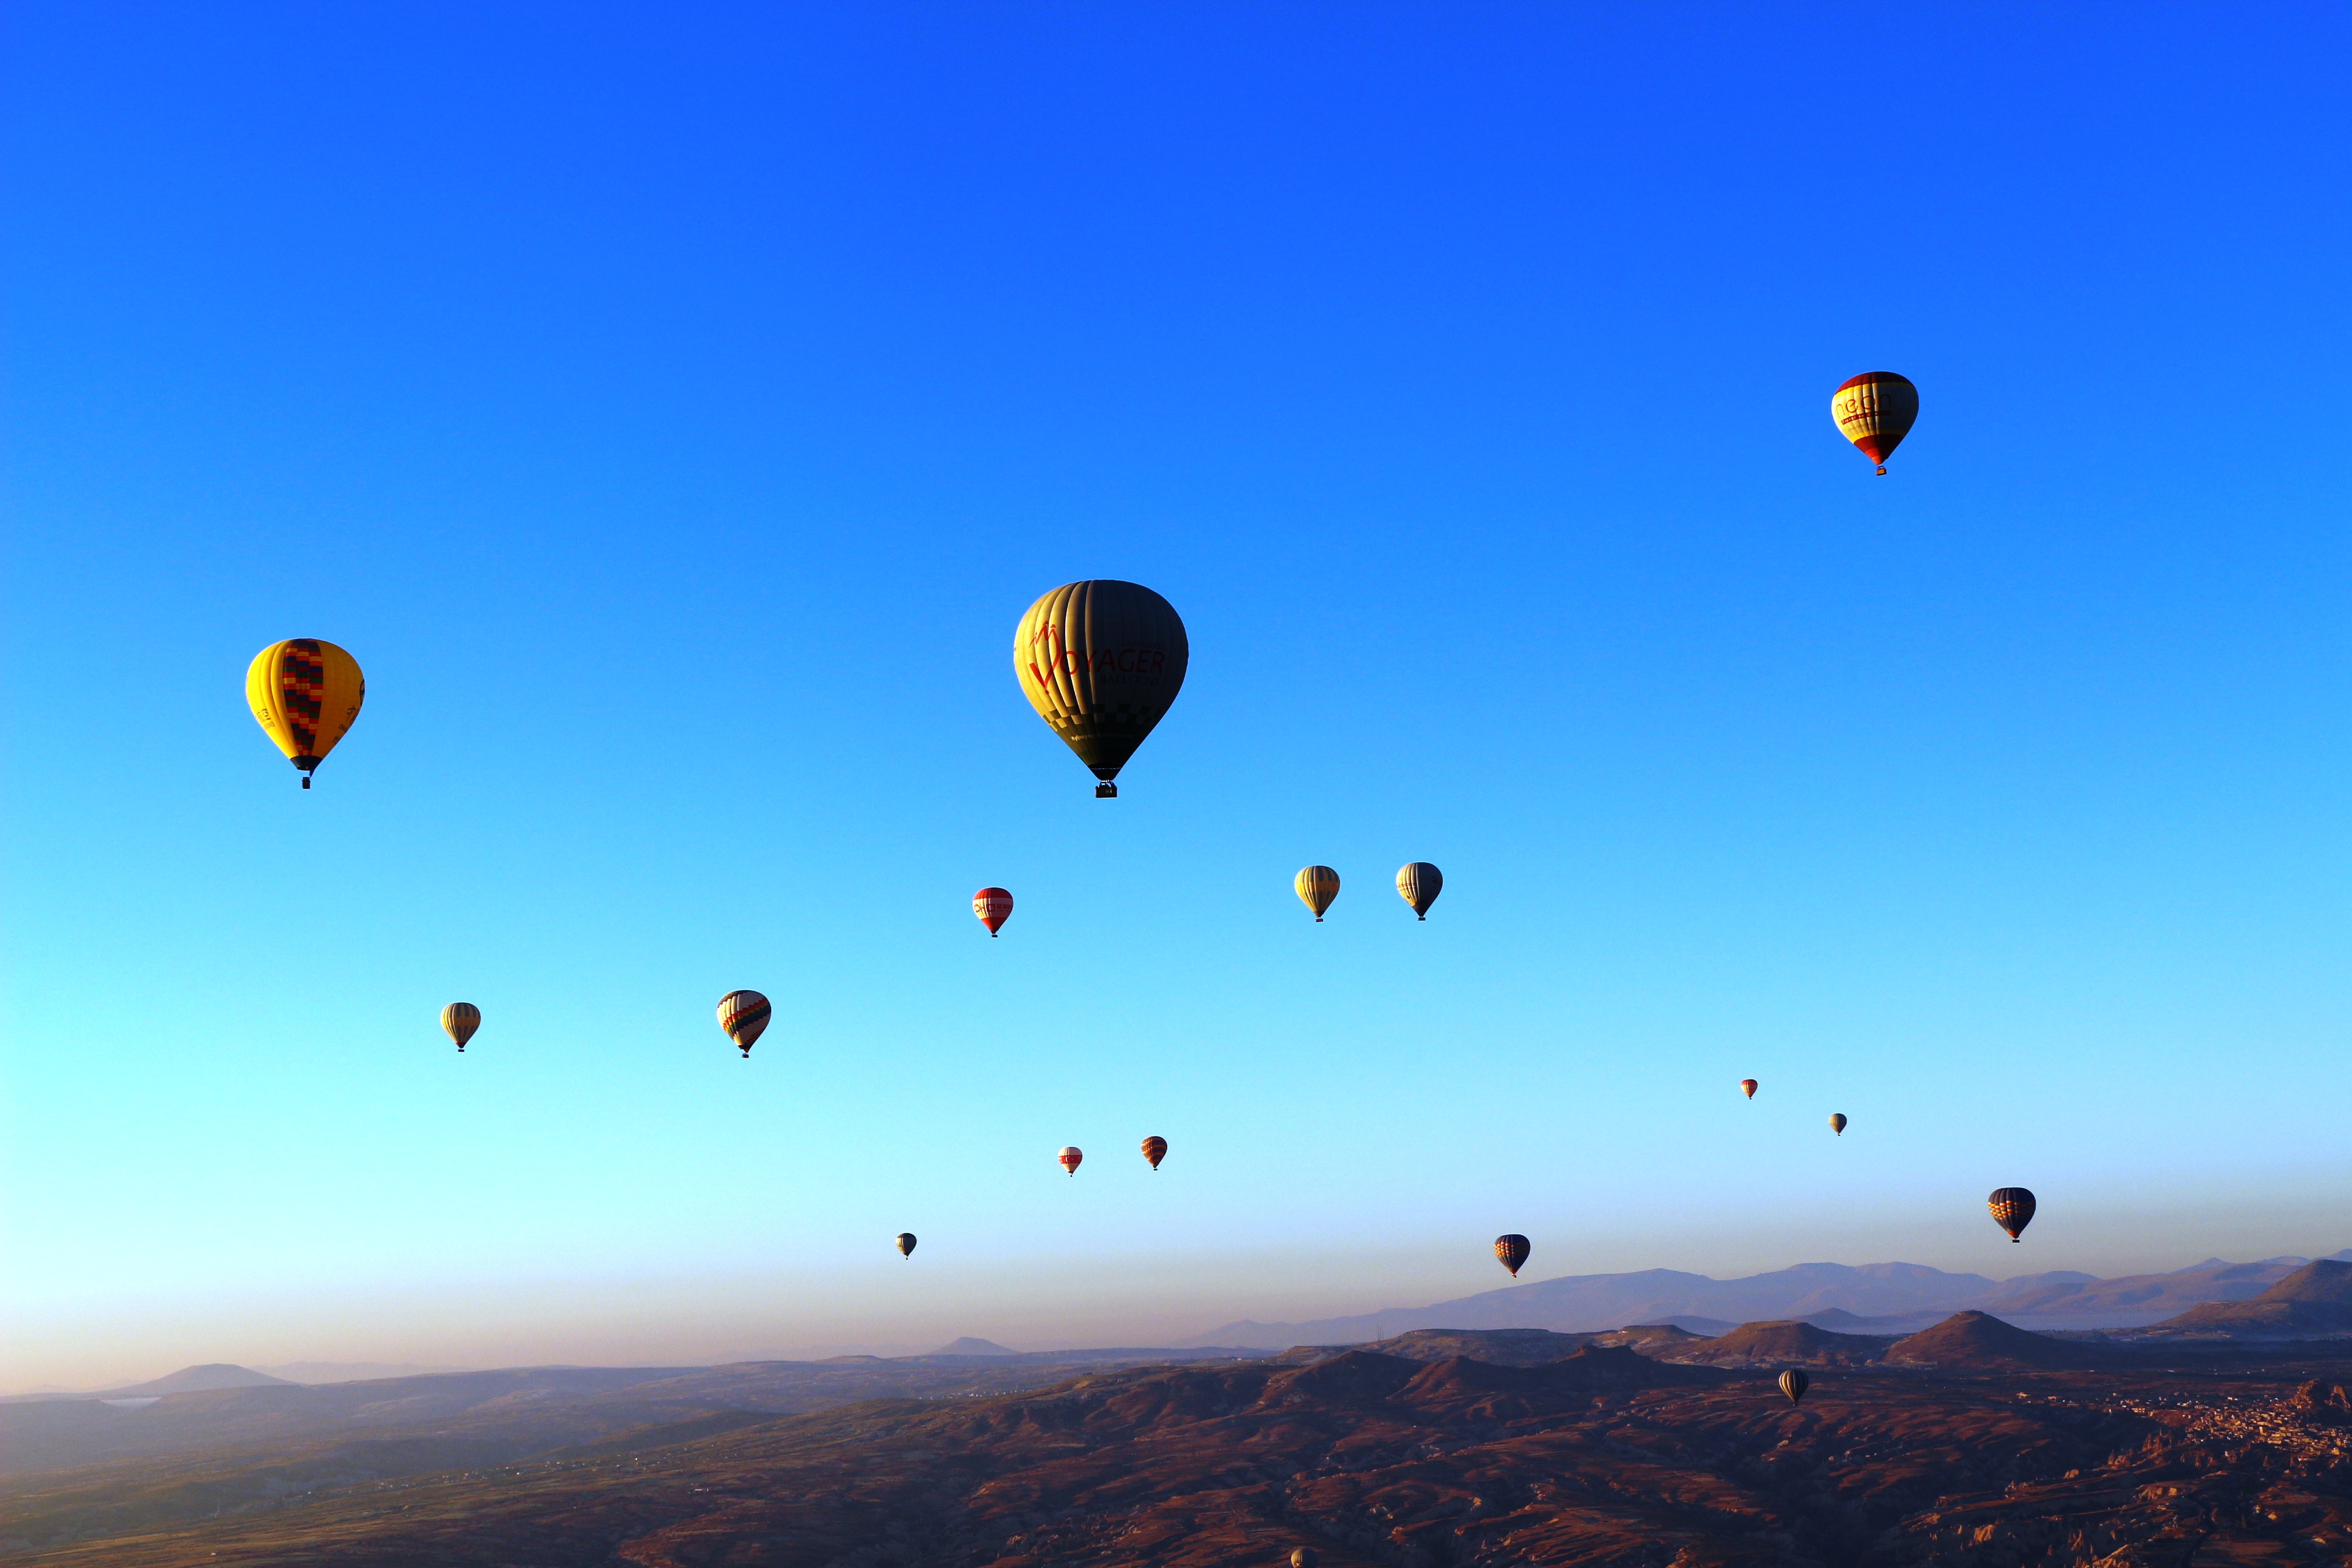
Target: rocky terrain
1600, 1456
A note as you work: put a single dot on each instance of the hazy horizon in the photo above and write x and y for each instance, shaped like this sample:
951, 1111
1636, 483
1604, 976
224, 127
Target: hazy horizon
674, 414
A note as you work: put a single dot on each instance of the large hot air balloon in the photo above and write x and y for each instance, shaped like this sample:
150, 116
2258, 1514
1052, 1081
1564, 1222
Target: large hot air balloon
1318, 886
1793, 1383
906, 1244
1070, 1156
992, 905
1875, 411
1748, 1086
1155, 1149
744, 1016
1511, 1251
2012, 1209
1418, 885
461, 1019
1837, 1122
304, 694
1101, 661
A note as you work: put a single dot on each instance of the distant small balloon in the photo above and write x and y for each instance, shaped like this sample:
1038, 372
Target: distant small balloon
906, 1244
1748, 1086
1418, 885
1155, 1149
2012, 1210
744, 1016
1318, 886
1837, 1122
1304, 1557
1793, 1383
1875, 411
992, 905
1511, 1251
1070, 1156
461, 1019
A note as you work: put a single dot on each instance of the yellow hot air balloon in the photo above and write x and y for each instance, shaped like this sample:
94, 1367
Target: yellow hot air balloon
1875, 411
461, 1019
1418, 884
1101, 661
305, 693
1318, 886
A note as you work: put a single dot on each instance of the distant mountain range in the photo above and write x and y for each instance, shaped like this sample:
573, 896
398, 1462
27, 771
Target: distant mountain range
1882, 1297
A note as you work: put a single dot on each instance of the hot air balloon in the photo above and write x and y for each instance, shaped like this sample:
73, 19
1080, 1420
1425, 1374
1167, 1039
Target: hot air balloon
1101, 661
1748, 1086
1318, 886
1418, 885
1837, 1122
461, 1019
1875, 411
744, 1016
906, 1244
1304, 1557
304, 694
992, 905
1070, 1156
2012, 1210
1155, 1149
1793, 1383
1511, 1251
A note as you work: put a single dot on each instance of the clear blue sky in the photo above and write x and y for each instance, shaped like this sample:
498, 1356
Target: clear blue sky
674, 409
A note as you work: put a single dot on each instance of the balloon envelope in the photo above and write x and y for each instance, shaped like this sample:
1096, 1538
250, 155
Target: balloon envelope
1748, 1086
1875, 411
1837, 1122
2012, 1209
1793, 1383
1070, 1156
1101, 661
304, 694
744, 1016
1418, 885
1155, 1149
992, 905
1304, 1557
1511, 1251
461, 1019
906, 1244
1318, 886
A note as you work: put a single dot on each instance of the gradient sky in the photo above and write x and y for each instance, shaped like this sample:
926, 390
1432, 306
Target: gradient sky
674, 409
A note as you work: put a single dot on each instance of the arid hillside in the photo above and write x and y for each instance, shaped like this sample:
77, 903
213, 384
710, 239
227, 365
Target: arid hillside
1602, 1456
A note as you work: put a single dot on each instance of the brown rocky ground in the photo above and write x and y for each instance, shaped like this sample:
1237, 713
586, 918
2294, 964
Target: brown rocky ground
1602, 1458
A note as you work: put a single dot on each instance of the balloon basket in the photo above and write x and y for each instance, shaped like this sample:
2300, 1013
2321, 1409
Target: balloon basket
1106, 791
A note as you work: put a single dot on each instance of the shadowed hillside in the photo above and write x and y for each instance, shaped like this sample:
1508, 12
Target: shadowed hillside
1781, 1344
1602, 1458
2315, 1300
1978, 1342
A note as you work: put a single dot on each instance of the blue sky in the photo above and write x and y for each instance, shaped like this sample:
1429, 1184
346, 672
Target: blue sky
674, 410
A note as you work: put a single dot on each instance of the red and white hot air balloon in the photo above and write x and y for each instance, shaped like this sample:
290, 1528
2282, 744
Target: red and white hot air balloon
992, 905
1070, 1156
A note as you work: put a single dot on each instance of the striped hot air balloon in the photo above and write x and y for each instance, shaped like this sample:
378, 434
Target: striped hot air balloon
1155, 1149
1101, 661
1793, 1383
744, 1016
304, 694
1070, 1156
1748, 1086
1511, 1251
1318, 886
2012, 1210
906, 1244
1418, 885
992, 905
461, 1019
1875, 411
